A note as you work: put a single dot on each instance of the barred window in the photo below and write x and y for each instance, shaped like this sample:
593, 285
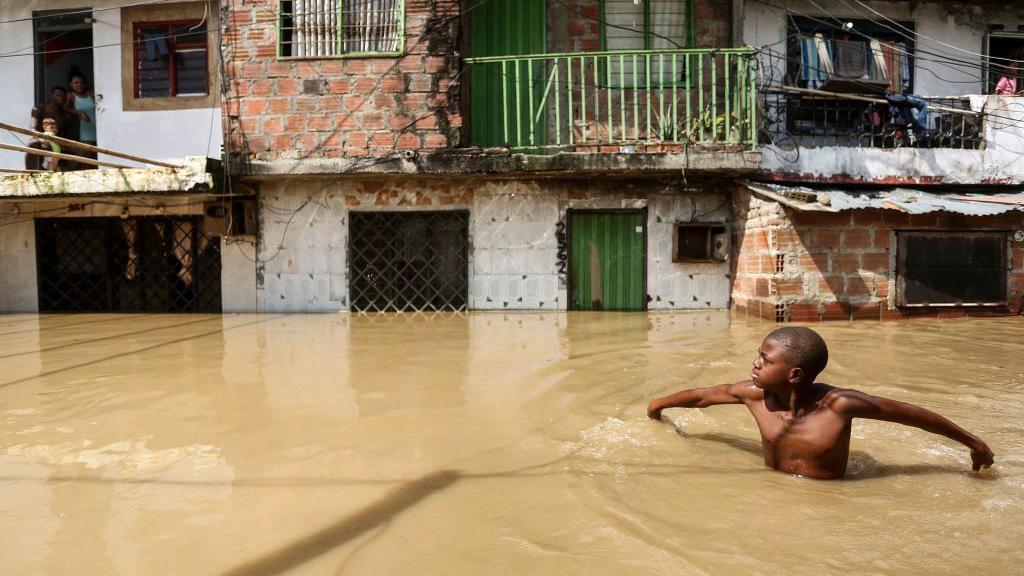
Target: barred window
170, 59
330, 28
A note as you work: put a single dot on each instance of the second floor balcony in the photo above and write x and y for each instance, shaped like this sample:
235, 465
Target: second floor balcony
614, 101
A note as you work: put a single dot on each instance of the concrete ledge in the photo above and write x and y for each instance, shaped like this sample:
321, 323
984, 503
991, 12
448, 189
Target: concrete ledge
464, 162
195, 176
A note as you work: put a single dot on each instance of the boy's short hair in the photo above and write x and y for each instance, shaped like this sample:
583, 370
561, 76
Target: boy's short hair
804, 348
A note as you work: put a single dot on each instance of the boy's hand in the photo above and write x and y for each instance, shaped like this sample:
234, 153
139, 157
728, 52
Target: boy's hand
981, 456
654, 410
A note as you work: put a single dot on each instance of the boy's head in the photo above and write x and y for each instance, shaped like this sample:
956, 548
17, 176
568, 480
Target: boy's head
788, 357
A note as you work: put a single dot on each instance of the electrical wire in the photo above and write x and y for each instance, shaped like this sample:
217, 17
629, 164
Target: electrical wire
86, 11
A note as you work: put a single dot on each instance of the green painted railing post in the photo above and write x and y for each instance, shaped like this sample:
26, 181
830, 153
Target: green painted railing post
519, 108
728, 98
608, 98
647, 95
569, 85
714, 97
529, 86
675, 99
583, 97
700, 95
558, 108
504, 96
622, 96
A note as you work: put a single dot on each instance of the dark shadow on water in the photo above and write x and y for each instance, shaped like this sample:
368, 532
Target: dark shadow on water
106, 338
73, 324
136, 351
317, 543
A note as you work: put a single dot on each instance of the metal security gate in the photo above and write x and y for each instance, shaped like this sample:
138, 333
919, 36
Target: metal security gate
409, 261
607, 260
150, 264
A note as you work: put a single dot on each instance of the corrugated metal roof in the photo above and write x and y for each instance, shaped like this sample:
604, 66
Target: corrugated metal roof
907, 200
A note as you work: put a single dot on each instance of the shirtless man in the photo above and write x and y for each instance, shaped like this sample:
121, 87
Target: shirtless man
805, 425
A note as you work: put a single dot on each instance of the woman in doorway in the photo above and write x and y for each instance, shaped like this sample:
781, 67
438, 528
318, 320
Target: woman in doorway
82, 104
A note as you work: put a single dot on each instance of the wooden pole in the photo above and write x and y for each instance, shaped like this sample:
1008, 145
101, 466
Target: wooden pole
73, 158
81, 146
874, 100
13, 171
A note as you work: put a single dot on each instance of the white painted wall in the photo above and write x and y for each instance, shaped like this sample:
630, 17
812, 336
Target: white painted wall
513, 257
157, 134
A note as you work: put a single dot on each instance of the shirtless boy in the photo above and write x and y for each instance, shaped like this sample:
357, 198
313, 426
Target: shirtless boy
805, 425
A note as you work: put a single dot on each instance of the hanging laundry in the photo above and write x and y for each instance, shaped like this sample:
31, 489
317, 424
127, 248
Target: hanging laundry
814, 70
156, 45
851, 58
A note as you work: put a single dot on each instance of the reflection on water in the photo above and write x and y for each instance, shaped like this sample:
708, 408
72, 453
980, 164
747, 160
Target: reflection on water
484, 443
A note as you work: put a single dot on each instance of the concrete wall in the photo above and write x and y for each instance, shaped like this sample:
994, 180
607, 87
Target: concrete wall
152, 134
810, 266
19, 290
513, 243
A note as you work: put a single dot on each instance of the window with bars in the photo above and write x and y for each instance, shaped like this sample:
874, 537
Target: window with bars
637, 25
333, 28
171, 59
951, 268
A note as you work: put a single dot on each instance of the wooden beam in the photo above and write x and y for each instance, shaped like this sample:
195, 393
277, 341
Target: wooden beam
14, 171
873, 100
82, 146
1008, 200
70, 157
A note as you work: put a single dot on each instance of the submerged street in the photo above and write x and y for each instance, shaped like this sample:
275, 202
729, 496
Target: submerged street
485, 443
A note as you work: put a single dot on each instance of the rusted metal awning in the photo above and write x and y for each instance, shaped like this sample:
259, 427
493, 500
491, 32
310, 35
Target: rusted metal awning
911, 201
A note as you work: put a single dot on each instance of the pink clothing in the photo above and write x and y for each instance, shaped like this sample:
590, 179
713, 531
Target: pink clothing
1006, 85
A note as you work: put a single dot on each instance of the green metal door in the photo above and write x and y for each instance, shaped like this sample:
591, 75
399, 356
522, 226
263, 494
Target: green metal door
606, 260
506, 28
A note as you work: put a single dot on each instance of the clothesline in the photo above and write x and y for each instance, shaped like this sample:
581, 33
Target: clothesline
873, 100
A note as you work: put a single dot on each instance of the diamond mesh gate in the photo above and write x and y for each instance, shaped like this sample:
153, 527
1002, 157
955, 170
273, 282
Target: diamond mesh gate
408, 261
151, 264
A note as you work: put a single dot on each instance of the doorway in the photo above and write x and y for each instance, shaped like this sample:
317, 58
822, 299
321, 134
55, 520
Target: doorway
608, 260
63, 44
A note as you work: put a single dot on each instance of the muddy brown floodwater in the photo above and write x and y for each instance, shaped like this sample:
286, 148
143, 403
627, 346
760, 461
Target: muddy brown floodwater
485, 444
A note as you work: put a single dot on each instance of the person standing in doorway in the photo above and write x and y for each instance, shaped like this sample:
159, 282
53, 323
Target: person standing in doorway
81, 102
55, 109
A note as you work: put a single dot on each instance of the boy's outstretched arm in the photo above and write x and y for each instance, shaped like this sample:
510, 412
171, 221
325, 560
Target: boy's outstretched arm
854, 404
700, 398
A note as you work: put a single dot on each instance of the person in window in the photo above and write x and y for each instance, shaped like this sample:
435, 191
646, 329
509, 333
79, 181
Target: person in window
47, 163
82, 103
54, 110
1007, 85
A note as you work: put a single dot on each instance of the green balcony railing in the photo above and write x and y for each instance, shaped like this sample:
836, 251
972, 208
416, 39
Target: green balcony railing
614, 99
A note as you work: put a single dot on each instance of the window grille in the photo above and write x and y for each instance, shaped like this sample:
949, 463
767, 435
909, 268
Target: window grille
326, 28
409, 261
149, 264
170, 59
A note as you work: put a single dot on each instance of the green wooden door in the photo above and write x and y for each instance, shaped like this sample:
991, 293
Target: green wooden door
506, 28
606, 260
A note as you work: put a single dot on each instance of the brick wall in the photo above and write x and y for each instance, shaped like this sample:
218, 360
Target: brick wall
574, 25
340, 107
811, 266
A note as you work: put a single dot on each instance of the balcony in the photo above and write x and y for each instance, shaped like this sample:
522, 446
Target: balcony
807, 119
617, 101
